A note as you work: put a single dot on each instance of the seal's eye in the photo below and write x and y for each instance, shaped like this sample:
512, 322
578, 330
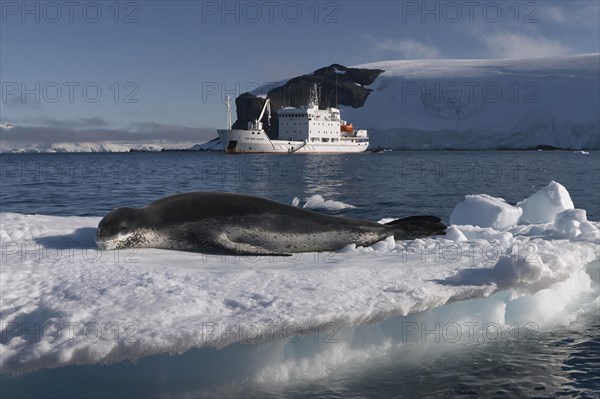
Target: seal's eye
123, 228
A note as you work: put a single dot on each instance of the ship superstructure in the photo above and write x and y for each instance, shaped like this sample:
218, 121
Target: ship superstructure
305, 129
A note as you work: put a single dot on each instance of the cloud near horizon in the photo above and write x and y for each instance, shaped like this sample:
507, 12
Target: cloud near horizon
406, 48
518, 45
56, 132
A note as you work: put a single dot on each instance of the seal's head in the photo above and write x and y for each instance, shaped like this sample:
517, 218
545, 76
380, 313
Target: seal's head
121, 228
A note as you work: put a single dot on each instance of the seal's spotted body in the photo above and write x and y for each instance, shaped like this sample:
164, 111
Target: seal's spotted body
227, 223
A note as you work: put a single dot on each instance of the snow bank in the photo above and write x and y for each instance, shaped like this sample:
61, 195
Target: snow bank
65, 303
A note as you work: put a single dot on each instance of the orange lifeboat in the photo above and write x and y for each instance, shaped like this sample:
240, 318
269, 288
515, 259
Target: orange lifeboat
347, 128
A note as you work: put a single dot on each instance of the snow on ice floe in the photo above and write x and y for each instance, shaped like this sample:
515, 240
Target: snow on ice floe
168, 302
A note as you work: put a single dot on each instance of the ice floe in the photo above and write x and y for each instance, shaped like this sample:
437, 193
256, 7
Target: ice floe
64, 302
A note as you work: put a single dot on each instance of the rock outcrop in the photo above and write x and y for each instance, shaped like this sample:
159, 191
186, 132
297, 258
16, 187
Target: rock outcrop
338, 85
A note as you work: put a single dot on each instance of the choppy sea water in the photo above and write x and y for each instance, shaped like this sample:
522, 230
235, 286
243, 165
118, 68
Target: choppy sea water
560, 363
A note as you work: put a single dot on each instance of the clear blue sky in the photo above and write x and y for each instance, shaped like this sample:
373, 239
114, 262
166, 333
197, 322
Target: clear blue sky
175, 57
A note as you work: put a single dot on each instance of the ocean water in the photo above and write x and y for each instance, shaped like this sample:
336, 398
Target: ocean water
558, 363
391, 183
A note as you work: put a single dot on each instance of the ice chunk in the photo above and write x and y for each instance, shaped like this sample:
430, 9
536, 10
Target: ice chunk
454, 234
385, 245
318, 202
571, 223
579, 215
485, 211
296, 201
545, 204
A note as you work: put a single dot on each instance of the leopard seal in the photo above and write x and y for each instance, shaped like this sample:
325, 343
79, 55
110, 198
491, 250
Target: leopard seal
229, 223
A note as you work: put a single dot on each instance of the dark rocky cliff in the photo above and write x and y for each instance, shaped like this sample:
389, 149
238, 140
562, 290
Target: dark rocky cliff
351, 92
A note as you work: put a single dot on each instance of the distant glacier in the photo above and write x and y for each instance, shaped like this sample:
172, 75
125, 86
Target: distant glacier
484, 104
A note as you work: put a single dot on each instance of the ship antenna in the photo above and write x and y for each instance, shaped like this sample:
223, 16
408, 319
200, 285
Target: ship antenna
318, 95
314, 96
228, 112
336, 100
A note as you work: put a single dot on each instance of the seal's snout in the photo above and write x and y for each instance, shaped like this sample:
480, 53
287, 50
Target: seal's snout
102, 234
115, 229
100, 238
103, 241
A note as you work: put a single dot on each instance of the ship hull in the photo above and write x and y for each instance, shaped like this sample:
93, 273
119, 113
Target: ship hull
238, 141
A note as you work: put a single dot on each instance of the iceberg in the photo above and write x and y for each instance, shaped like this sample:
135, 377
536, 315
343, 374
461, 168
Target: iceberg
66, 303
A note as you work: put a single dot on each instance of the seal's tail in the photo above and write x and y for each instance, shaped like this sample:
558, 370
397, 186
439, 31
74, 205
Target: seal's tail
416, 227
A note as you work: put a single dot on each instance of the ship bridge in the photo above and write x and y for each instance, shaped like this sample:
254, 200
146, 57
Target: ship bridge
309, 123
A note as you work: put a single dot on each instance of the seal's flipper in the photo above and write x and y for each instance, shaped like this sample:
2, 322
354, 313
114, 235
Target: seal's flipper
226, 246
416, 227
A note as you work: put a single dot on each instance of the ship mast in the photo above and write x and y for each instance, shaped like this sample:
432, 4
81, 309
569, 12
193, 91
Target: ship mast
336, 100
228, 112
314, 97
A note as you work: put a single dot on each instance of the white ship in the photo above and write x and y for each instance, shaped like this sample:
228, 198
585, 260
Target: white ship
301, 130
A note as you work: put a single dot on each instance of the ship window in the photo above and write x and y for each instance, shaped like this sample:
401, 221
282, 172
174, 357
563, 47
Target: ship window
324, 140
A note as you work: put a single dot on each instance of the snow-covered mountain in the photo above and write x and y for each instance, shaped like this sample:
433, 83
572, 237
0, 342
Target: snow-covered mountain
483, 104
455, 104
212, 145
